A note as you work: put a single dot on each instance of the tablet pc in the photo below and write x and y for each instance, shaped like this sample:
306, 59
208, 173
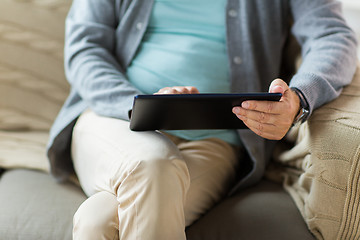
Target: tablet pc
190, 111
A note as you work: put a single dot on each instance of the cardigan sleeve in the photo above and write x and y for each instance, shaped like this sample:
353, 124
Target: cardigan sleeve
91, 65
328, 50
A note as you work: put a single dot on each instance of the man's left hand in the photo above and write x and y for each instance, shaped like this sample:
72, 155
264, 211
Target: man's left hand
270, 120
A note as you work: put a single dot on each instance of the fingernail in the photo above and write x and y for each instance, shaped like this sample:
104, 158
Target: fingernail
245, 104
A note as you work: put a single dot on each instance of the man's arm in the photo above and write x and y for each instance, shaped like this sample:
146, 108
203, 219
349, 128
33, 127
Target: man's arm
328, 50
329, 62
90, 63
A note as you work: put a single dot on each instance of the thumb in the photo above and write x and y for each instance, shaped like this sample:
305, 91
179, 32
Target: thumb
278, 86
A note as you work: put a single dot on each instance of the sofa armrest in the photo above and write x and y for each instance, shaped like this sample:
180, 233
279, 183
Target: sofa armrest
322, 170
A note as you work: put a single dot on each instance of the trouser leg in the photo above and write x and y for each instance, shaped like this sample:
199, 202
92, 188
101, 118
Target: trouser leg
212, 165
97, 218
145, 171
149, 175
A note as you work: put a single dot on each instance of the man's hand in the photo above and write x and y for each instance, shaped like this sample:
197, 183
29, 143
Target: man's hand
268, 119
178, 90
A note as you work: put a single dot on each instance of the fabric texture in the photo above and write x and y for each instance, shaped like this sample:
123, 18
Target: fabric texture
24, 150
263, 211
322, 171
34, 207
32, 80
48, 208
31, 91
152, 177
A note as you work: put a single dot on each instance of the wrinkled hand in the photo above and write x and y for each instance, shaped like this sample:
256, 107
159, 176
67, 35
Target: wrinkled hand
270, 120
178, 90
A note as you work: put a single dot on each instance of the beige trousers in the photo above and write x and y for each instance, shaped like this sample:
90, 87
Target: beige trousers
144, 185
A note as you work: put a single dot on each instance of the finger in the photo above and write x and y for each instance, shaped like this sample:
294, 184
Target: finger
261, 117
278, 86
192, 90
264, 106
186, 89
167, 90
281, 121
268, 131
172, 91
180, 90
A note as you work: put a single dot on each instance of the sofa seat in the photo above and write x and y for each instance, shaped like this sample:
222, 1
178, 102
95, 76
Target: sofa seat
34, 207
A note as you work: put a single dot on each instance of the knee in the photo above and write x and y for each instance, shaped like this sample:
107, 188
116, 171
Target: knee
164, 170
97, 218
159, 175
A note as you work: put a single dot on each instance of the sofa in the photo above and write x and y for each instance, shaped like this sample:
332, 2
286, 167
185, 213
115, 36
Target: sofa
32, 89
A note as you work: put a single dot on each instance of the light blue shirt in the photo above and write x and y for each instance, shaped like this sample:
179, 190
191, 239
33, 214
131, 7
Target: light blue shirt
185, 45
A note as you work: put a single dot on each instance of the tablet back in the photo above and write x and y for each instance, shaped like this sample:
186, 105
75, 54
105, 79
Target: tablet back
190, 111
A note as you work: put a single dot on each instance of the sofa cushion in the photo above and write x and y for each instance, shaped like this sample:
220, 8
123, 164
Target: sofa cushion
34, 207
24, 150
39, 208
263, 211
32, 82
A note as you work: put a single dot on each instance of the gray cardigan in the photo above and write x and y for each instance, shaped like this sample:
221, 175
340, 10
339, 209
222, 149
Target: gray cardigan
102, 38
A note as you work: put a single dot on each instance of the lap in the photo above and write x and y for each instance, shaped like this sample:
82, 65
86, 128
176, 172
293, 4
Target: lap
105, 148
102, 147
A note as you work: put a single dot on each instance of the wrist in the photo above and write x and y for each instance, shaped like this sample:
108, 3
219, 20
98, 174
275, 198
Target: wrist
304, 111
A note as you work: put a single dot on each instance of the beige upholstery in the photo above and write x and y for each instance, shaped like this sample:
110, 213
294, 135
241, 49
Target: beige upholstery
322, 171
32, 81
